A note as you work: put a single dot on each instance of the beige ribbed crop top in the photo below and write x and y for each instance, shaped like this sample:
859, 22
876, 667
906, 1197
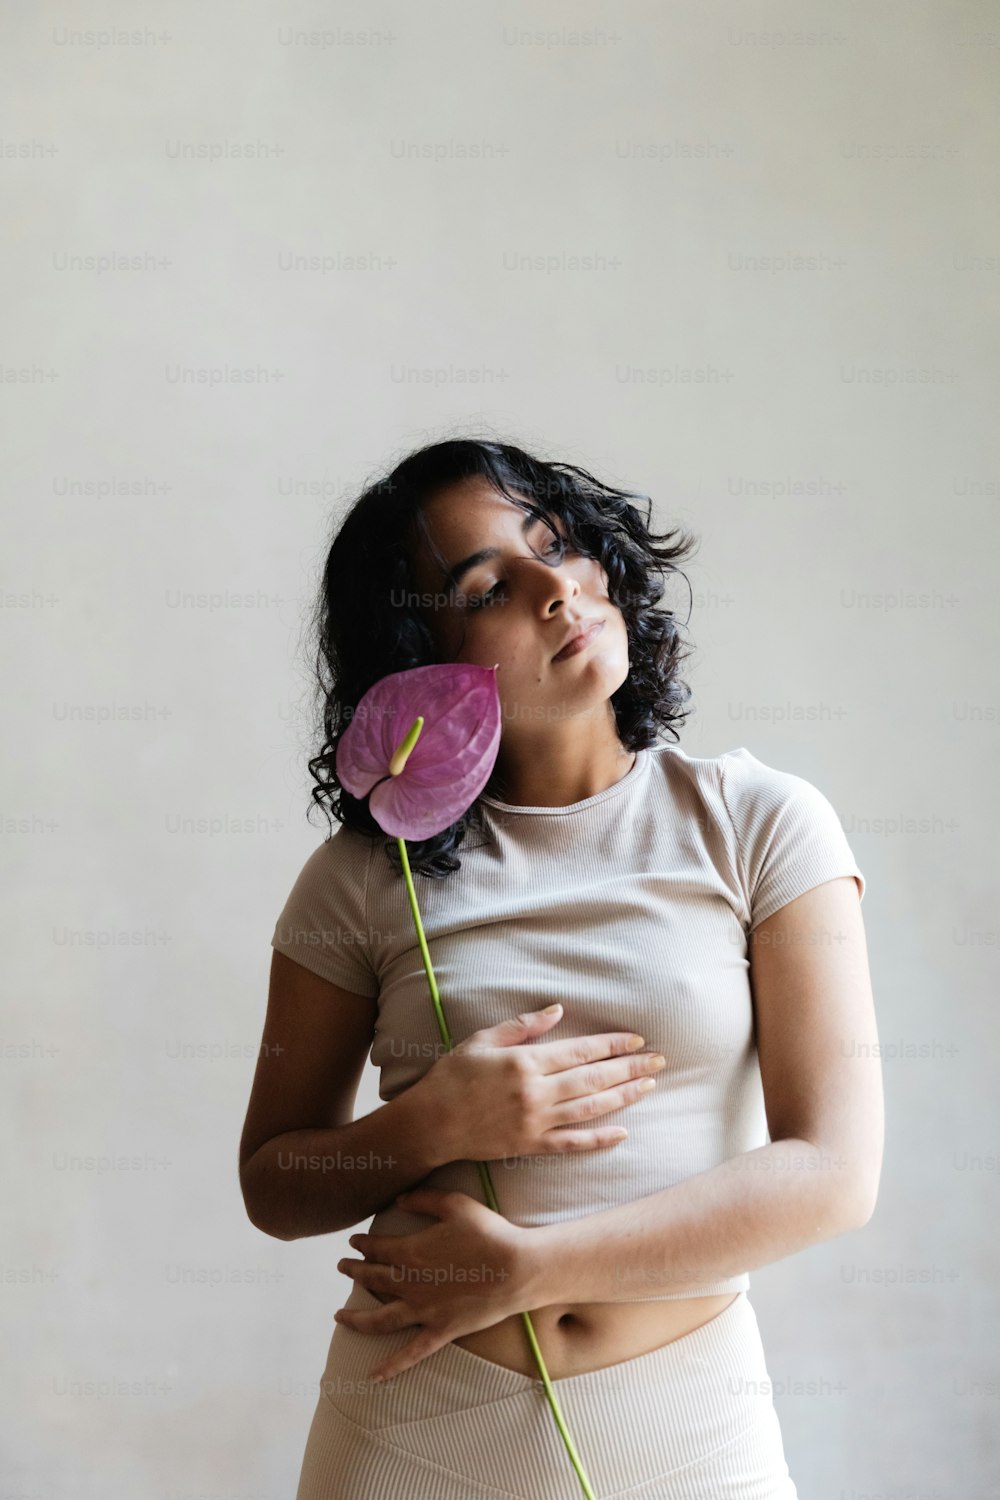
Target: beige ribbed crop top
633, 909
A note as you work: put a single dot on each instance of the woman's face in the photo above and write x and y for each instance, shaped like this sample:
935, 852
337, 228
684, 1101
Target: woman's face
517, 609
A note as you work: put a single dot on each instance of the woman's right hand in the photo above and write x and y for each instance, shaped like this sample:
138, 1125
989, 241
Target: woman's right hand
497, 1098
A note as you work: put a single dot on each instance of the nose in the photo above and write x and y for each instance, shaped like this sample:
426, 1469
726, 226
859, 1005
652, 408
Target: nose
554, 584
562, 589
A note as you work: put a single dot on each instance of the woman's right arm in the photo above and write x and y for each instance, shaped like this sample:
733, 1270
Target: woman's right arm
306, 1167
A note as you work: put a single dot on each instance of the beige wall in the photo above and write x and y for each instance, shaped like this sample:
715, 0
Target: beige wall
846, 627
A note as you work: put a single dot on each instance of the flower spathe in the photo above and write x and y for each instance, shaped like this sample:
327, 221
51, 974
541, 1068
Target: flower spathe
450, 763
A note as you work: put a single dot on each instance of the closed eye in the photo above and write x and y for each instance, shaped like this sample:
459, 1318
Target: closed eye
481, 600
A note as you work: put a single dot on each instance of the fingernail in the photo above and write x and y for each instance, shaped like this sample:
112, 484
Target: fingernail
550, 1010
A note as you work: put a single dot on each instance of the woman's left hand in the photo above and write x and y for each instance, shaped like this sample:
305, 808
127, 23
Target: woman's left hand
467, 1272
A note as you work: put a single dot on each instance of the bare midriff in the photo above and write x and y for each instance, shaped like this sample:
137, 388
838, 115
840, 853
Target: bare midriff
576, 1337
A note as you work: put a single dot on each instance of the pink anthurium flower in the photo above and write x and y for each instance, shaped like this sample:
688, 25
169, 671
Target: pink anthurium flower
421, 746
423, 782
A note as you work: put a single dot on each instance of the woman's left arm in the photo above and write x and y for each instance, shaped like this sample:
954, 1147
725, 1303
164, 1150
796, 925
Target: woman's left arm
817, 1043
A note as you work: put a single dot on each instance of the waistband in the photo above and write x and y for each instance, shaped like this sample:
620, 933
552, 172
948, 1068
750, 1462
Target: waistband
676, 1408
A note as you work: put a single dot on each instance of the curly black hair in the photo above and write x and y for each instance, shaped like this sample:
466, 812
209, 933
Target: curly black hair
365, 627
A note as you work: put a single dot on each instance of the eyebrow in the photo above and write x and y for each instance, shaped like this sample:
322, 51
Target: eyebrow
455, 575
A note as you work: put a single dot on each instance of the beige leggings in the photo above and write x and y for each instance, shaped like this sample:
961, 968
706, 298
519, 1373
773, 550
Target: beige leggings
692, 1420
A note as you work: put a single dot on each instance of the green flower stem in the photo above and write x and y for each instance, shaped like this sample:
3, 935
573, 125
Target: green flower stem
486, 1180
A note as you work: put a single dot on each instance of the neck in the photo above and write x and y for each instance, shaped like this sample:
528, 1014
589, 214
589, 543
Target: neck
554, 772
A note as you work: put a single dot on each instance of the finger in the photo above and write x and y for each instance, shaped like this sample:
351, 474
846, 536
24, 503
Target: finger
585, 1140
419, 1347
373, 1275
376, 1246
510, 1031
390, 1318
601, 1093
348, 1267
571, 1051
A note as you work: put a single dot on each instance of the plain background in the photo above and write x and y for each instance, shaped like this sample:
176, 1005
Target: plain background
744, 259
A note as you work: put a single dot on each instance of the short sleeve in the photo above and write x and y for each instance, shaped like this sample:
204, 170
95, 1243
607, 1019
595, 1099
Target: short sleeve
324, 923
788, 836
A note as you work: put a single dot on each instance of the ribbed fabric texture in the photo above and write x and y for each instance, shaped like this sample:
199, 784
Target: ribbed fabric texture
633, 909
692, 1420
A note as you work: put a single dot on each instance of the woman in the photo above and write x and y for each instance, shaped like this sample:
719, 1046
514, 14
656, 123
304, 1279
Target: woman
671, 905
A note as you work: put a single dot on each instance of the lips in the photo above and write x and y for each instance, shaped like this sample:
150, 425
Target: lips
582, 635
